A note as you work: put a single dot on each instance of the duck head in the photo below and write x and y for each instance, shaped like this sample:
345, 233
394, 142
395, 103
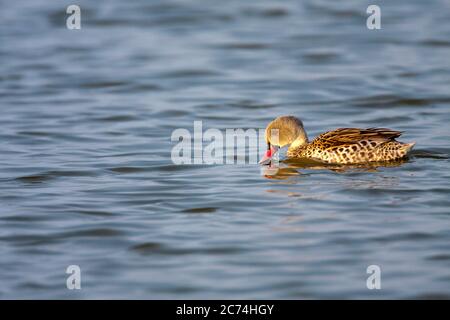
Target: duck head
283, 131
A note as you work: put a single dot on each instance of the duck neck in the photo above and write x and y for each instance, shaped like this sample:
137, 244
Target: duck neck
300, 141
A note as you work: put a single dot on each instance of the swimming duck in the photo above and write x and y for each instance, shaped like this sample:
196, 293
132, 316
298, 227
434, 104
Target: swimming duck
340, 146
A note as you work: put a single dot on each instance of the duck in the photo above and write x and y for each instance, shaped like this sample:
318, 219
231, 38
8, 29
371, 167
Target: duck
339, 146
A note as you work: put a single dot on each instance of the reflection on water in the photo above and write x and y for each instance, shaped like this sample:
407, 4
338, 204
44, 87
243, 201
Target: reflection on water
293, 167
86, 176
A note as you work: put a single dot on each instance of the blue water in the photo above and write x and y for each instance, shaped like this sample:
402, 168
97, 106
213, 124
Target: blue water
86, 176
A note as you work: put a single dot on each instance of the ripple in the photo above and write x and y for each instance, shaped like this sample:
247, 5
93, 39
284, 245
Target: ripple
133, 88
33, 179
48, 175
320, 57
146, 247
129, 169
409, 236
102, 84
274, 12
96, 213
439, 257
429, 154
118, 118
23, 218
189, 73
435, 43
200, 210
42, 239
35, 133
157, 248
240, 104
389, 101
244, 46
431, 296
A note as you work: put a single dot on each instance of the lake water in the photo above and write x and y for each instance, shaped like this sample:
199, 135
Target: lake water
86, 176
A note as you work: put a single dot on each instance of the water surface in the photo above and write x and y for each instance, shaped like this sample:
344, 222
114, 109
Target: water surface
86, 176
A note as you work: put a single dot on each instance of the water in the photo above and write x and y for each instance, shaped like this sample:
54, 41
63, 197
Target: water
86, 176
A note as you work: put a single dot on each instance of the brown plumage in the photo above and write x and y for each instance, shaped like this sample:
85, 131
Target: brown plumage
340, 146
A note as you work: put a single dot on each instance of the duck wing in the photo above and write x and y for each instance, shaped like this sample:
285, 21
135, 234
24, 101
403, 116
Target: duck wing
353, 135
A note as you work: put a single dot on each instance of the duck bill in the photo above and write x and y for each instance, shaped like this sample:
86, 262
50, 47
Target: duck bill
265, 159
268, 155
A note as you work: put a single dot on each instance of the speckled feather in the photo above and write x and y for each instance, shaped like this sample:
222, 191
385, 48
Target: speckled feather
353, 145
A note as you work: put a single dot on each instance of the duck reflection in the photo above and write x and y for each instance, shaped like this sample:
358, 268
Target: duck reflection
291, 167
